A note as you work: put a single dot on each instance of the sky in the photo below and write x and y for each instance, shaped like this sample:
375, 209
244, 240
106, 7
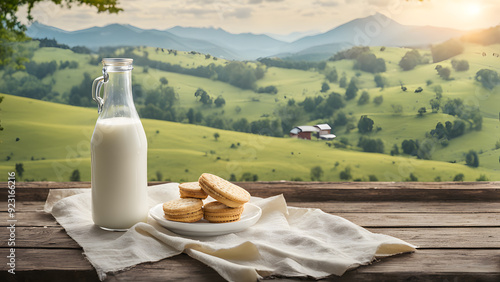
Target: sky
272, 16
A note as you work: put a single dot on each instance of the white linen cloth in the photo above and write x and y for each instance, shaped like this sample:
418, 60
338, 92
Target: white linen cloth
285, 241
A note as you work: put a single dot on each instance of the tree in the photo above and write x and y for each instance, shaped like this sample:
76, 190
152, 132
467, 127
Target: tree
216, 136
378, 100
316, 173
332, 75
352, 90
488, 78
75, 175
446, 50
365, 124
343, 81
364, 98
380, 81
435, 105
444, 73
12, 30
346, 174
472, 159
159, 176
395, 150
410, 60
409, 147
163, 81
20, 169
324, 87
371, 145
460, 65
219, 102
422, 111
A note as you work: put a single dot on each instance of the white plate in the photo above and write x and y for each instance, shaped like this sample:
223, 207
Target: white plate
249, 217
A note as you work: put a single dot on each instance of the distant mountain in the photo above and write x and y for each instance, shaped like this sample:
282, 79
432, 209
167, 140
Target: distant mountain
127, 35
292, 36
374, 30
377, 30
249, 45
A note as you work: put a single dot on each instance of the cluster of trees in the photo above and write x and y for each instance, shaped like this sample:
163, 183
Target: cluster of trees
159, 104
420, 149
271, 89
371, 145
380, 81
236, 73
488, 78
41, 70
446, 50
470, 114
365, 124
350, 54
321, 108
410, 60
206, 100
68, 64
449, 130
80, 95
45, 42
370, 63
289, 64
27, 86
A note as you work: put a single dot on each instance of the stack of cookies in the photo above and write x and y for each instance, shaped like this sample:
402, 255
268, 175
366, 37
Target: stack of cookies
228, 206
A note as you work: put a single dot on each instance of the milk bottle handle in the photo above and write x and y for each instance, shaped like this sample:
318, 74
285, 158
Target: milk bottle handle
96, 90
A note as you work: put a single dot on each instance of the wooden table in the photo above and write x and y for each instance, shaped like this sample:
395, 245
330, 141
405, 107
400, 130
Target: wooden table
456, 226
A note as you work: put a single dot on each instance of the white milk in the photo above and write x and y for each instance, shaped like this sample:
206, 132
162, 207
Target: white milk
119, 173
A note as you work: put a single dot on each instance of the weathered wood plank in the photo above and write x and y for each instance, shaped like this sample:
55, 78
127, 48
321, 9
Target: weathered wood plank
345, 207
435, 238
27, 219
422, 220
44, 264
322, 191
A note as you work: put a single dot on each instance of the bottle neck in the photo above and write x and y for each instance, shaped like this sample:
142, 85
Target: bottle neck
118, 101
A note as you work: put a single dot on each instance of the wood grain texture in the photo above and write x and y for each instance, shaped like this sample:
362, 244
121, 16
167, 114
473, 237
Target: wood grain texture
42, 264
367, 219
429, 238
320, 191
345, 207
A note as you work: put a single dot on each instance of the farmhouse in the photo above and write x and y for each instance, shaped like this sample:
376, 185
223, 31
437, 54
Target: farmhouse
320, 131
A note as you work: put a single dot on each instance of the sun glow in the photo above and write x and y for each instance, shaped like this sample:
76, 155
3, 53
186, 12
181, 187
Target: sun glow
472, 9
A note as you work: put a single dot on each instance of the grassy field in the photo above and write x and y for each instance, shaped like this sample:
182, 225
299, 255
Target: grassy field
54, 141
291, 84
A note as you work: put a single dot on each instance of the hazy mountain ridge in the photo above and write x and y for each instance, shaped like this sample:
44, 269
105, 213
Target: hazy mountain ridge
374, 30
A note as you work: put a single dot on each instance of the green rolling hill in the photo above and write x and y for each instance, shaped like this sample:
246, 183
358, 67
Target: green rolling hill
51, 140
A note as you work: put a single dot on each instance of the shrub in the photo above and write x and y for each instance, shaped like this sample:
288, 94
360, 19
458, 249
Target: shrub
460, 65
346, 174
459, 177
343, 81
316, 173
352, 90
395, 150
378, 100
248, 176
482, 177
412, 178
372, 177
365, 124
380, 81
324, 87
271, 89
364, 98
75, 175
444, 73
219, 102
371, 145
472, 159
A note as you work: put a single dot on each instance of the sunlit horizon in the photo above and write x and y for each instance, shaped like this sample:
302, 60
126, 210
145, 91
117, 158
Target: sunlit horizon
272, 17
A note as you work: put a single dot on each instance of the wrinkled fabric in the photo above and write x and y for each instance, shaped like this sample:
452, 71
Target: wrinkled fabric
286, 241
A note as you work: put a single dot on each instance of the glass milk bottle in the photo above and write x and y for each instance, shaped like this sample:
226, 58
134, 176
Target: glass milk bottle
118, 151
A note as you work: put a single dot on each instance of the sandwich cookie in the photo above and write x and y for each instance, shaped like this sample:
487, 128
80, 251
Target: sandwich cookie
223, 191
183, 210
192, 190
217, 212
